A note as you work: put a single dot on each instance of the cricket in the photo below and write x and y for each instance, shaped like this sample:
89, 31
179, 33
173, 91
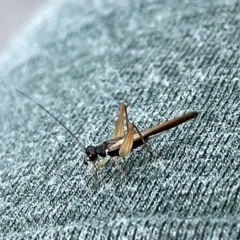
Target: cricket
121, 143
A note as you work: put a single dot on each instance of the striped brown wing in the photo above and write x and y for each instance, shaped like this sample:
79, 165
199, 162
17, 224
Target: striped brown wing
126, 146
114, 144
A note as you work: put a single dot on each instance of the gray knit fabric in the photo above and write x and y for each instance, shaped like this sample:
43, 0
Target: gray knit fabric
80, 59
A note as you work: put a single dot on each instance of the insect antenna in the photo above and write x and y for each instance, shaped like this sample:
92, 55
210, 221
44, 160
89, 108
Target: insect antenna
42, 107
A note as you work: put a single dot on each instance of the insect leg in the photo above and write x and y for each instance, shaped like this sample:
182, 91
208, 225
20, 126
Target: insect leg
147, 147
118, 166
97, 166
119, 126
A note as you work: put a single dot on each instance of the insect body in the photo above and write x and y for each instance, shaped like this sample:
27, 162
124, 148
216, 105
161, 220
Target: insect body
121, 144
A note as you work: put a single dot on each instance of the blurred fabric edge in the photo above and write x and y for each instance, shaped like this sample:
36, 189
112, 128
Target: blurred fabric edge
13, 16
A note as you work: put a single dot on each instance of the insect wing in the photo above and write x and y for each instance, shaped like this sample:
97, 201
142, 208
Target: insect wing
119, 126
126, 147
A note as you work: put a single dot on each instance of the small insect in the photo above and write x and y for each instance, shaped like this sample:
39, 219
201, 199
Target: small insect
121, 144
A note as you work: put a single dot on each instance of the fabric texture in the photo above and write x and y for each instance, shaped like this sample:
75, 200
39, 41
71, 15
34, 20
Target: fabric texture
81, 59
